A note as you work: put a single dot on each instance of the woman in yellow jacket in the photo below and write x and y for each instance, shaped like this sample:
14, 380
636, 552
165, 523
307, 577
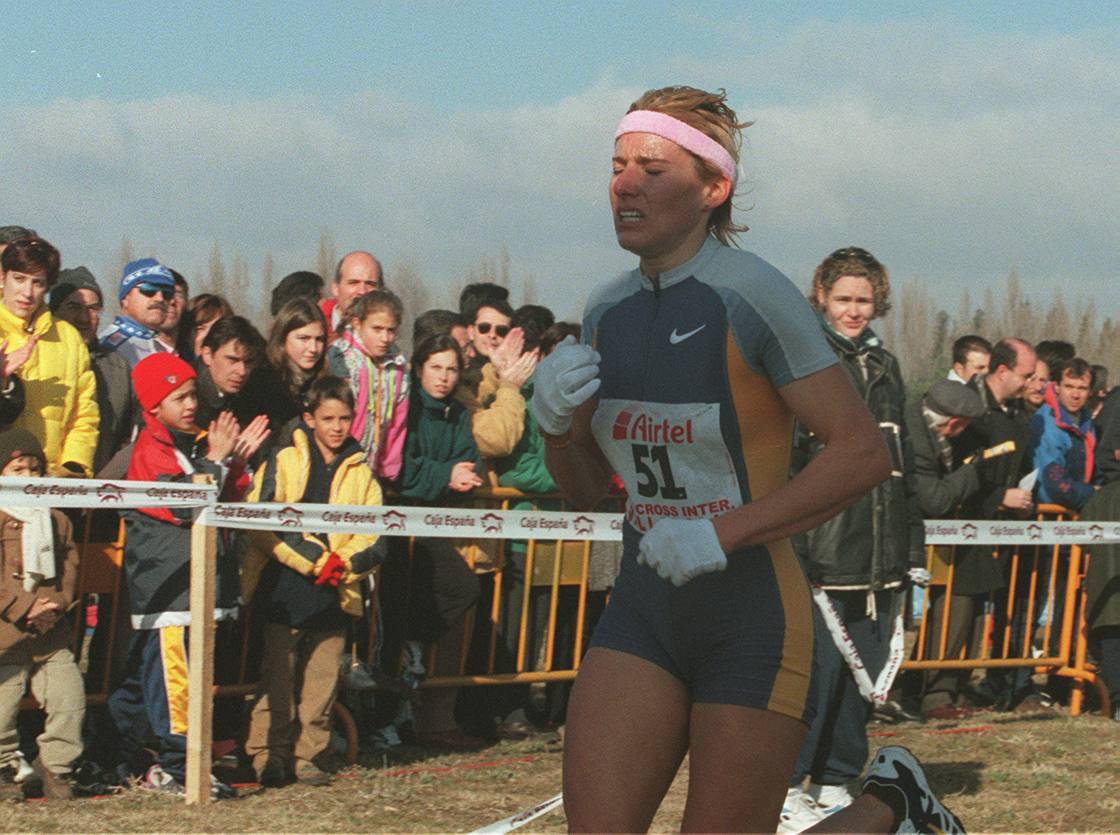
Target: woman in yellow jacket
61, 403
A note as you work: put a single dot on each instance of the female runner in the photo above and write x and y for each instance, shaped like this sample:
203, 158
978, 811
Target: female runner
694, 367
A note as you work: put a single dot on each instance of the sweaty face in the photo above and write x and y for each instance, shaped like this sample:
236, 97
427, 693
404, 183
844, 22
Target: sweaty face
849, 305
1073, 392
23, 292
489, 329
659, 203
1035, 393
229, 366
376, 332
177, 410
330, 425
304, 346
975, 362
82, 309
440, 374
148, 311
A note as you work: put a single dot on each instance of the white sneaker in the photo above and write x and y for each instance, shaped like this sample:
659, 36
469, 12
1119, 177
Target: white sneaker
829, 799
799, 812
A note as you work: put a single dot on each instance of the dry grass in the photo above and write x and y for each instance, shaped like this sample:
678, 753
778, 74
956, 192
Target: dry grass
1003, 773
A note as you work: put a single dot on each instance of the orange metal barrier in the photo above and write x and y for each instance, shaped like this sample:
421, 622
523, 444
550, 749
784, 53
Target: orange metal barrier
1063, 644
556, 578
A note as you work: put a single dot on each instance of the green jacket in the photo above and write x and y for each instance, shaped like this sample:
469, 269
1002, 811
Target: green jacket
524, 467
439, 437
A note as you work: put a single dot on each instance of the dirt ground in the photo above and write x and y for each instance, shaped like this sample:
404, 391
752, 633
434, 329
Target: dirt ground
998, 772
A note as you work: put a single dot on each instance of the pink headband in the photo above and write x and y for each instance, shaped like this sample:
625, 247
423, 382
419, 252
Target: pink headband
688, 137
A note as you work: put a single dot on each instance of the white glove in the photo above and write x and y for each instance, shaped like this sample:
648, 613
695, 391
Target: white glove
919, 577
680, 549
564, 379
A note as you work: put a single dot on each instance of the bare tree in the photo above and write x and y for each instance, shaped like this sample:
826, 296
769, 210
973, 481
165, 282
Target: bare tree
528, 289
327, 259
116, 266
216, 273
239, 295
1056, 325
405, 280
268, 281
963, 322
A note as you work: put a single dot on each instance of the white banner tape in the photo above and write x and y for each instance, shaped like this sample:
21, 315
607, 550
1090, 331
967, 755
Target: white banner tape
472, 522
521, 818
92, 492
476, 523
1027, 532
876, 691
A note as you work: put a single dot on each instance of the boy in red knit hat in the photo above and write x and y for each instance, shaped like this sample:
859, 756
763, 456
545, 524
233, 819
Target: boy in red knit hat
157, 560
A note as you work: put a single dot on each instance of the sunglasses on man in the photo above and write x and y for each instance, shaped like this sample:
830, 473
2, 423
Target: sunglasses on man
150, 290
484, 328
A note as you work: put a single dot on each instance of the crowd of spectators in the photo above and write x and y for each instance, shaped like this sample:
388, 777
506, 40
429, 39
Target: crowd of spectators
327, 408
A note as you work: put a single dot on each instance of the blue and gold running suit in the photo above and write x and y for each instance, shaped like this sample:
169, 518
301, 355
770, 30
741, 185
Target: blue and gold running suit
689, 416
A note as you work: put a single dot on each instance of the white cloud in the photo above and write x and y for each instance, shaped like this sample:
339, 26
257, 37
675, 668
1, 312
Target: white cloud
952, 157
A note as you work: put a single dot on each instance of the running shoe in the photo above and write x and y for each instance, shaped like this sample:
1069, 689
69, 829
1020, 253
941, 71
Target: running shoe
895, 767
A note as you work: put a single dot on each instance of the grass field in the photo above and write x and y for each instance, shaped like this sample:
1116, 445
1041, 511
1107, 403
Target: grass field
998, 772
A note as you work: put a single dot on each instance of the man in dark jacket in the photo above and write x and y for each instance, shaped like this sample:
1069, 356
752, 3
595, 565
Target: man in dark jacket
1002, 431
231, 350
942, 483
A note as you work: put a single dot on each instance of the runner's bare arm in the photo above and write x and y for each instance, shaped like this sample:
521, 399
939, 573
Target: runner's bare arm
854, 460
576, 463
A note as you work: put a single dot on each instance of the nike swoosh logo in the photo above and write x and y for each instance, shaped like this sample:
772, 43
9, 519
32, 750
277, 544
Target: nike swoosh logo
675, 338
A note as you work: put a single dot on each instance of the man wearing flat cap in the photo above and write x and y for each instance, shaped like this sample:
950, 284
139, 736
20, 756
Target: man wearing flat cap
147, 287
942, 483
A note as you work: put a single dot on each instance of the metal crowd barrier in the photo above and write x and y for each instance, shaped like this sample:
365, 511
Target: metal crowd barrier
556, 575
1043, 602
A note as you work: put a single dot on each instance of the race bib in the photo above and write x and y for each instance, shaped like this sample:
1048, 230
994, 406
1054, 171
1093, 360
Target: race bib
671, 456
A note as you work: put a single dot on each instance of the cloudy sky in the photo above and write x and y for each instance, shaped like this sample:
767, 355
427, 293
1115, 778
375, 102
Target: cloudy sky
954, 143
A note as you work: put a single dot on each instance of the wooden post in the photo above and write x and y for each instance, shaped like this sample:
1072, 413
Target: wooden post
200, 677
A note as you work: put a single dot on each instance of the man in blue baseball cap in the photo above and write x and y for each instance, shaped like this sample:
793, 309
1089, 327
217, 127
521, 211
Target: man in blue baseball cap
146, 289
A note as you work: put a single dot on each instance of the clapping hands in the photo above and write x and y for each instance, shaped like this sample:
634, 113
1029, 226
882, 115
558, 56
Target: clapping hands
463, 477
12, 361
228, 440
